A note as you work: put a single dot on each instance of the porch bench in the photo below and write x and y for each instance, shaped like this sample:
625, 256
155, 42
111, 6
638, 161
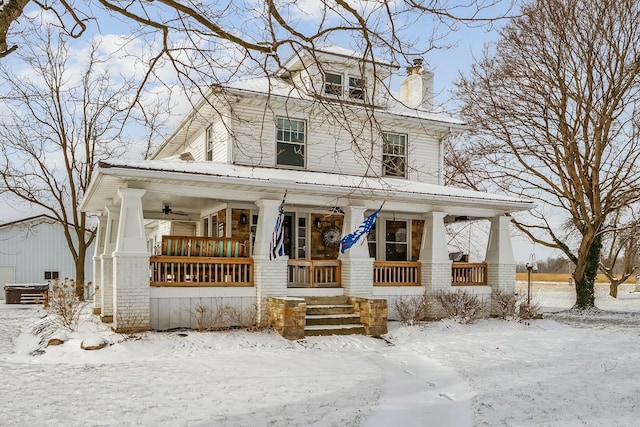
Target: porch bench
200, 246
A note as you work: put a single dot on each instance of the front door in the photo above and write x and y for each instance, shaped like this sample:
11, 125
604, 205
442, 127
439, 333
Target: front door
288, 233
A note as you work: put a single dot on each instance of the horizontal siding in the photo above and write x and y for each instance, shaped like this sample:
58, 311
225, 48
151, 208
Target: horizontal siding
351, 146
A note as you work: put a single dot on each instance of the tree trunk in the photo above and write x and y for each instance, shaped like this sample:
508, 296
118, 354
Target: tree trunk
82, 251
613, 289
585, 285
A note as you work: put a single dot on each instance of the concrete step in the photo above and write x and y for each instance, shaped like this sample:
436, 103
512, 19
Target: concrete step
329, 309
327, 300
317, 330
332, 319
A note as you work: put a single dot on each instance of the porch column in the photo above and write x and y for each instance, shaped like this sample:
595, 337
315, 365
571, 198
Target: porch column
106, 291
501, 266
356, 264
269, 276
97, 264
434, 256
131, 306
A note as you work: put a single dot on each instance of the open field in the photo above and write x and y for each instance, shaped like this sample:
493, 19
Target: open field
562, 277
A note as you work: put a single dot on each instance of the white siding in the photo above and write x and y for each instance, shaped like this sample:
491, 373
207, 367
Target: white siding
34, 247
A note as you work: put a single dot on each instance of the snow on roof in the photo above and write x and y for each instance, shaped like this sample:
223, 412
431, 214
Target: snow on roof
392, 187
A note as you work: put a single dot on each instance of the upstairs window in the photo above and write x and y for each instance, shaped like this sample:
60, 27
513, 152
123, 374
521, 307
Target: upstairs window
356, 88
394, 155
333, 84
209, 142
290, 142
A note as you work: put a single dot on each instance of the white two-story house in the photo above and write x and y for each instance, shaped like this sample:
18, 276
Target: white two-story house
193, 225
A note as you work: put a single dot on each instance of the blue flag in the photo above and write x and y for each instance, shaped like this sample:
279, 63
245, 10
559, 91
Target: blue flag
351, 239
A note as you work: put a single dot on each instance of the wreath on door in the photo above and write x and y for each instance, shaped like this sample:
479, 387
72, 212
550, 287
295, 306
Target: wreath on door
331, 237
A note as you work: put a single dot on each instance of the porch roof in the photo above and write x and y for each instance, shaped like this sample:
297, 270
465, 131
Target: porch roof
182, 182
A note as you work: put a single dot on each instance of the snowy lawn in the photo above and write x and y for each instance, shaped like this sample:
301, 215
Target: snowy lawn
561, 371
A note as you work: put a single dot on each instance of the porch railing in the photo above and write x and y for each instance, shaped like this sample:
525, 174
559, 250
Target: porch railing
314, 273
200, 271
396, 273
468, 274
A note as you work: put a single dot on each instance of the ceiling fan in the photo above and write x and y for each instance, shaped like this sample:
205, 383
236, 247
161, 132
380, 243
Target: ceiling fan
168, 211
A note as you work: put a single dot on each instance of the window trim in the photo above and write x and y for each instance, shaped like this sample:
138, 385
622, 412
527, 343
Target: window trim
303, 144
385, 153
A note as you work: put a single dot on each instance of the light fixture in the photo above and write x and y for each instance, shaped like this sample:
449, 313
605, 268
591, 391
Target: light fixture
318, 223
243, 218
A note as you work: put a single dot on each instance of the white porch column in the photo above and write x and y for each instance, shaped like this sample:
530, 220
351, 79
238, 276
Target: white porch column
434, 256
106, 268
97, 264
356, 264
269, 276
131, 306
501, 266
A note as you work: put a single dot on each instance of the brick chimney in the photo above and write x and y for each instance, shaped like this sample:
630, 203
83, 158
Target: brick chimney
416, 90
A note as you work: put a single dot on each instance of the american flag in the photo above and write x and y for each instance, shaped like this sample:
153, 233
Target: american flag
351, 239
276, 248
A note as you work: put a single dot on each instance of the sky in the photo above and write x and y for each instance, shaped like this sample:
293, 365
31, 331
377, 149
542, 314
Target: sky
466, 42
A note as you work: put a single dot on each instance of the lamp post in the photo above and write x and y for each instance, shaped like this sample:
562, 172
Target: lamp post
532, 266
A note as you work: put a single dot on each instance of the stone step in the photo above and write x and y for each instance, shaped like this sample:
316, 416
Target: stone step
327, 300
317, 330
329, 309
332, 319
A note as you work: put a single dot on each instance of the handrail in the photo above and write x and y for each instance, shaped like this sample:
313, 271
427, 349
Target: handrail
397, 273
176, 271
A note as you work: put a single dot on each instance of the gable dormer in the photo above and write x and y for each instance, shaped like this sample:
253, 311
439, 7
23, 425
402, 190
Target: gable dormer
337, 73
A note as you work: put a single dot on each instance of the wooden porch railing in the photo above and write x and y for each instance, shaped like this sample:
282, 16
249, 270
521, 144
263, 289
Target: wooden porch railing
200, 271
469, 274
314, 273
396, 273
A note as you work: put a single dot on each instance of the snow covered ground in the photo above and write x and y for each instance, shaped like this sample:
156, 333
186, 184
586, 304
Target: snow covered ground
564, 370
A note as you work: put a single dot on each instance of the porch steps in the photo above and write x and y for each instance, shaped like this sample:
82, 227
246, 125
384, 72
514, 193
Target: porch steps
331, 316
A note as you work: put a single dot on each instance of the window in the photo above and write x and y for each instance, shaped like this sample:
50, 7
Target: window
394, 155
333, 84
290, 142
396, 243
51, 275
356, 88
209, 142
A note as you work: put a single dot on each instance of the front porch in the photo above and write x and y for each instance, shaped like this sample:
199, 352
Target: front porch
166, 250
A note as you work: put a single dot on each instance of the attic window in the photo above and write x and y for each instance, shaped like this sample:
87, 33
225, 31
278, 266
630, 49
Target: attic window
356, 88
333, 84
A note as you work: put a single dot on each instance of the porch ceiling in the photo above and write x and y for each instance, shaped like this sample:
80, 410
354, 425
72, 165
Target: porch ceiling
190, 187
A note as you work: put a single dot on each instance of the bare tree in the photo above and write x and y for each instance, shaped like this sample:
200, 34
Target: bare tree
553, 103
621, 248
62, 114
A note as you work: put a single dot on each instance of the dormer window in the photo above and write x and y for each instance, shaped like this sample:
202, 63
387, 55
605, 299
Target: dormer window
333, 84
343, 86
356, 88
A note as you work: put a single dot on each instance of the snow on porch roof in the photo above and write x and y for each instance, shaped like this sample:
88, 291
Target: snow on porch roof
260, 178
